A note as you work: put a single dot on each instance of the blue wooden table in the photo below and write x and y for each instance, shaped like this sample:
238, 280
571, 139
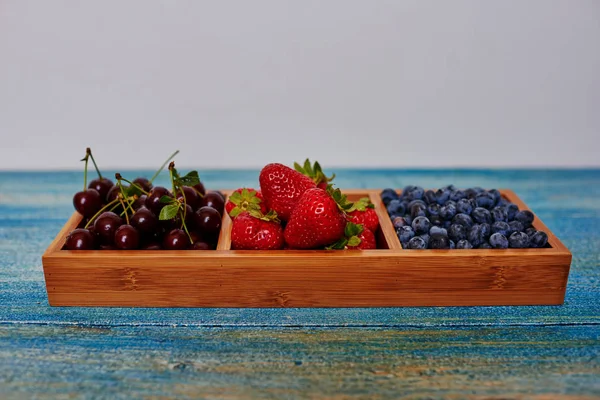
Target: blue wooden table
466, 352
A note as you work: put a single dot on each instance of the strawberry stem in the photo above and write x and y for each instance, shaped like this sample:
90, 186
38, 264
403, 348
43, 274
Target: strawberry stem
163, 166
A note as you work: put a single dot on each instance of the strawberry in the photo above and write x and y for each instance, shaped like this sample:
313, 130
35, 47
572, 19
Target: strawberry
245, 199
364, 213
315, 173
317, 220
256, 232
356, 237
282, 187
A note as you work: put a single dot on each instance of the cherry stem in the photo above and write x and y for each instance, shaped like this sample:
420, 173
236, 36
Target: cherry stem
136, 185
125, 208
89, 153
118, 177
198, 192
85, 174
186, 231
171, 166
163, 166
100, 212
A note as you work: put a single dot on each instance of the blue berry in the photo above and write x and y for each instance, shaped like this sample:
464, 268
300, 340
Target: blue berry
485, 200
438, 241
407, 189
515, 226
388, 195
501, 227
499, 214
425, 237
452, 244
448, 211
518, 240
525, 217
463, 219
496, 194
418, 210
433, 209
450, 188
502, 202
446, 224
465, 206
538, 239
457, 195
405, 233
442, 196
498, 241
511, 210
464, 244
530, 231
421, 225
436, 229
414, 202
486, 230
416, 243
457, 232
479, 189
470, 193
481, 216
399, 222
476, 235
396, 207
429, 197
408, 220
414, 193
484, 245
436, 220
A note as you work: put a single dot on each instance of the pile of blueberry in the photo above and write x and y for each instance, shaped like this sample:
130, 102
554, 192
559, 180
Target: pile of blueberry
450, 218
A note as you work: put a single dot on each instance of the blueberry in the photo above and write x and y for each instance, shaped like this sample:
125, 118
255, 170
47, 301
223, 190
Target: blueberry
485, 200
438, 241
414, 193
436, 229
464, 244
425, 237
502, 202
416, 243
498, 241
416, 201
463, 219
484, 245
476, 235
433, 209
501, 227
448, 211
479, 189
499, 214
396, 207
407, 189
470, 193
399, 222
452, 244
511, 210
496, 194
457, 195
405, 233
442, 196
408, 220
457, 232
518, 240
446, 224
515, 226
481, 216
525, 217
436, 220
530, 231
450, 203
429, 197
388, 195
450, 187
486, 230
421, 225
538, 239
418, 210
465, 206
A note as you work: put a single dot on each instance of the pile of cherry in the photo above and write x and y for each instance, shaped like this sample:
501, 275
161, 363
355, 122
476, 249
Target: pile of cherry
129, 215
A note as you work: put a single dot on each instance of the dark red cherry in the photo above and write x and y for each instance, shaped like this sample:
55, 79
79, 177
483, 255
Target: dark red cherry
139, 202
102, 186
207, 220
144, 220
113, 193
201, 246
176, 239
191, 197
80, 239
88, 202
153, 200
200, 187
151, 246
143, 183
127, 238
214, 200
106, 225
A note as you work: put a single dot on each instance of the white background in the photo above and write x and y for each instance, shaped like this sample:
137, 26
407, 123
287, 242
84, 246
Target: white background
349, 82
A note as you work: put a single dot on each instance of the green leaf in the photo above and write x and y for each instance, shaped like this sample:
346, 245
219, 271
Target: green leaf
353, 229
297, 167
339, 245
133, 190
235, 212
168, 212
166, 199
354, 241
236, 198
190, 179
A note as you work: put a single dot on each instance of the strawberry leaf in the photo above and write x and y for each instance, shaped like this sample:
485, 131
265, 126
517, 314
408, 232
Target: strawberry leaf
314, 172
339, 245
354, 241
353, 229
168, 212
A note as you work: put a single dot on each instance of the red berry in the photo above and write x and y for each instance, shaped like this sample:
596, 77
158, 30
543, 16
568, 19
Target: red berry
245, 199
250, 233
282, 188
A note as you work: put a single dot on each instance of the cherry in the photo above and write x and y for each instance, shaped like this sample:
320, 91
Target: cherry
113, 193
176, 239
127, 237
143, 183
201, 246
80, 239
87, 202
214, 200
151, 246
139, 202
207, 219
191, 197
200, 188
106, 225
144, 220
102, 185
153, 200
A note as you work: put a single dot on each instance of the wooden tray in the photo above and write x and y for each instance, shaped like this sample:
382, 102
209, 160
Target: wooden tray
386, 277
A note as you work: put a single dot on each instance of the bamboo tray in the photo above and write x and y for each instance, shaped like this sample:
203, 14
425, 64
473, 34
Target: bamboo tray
386, 277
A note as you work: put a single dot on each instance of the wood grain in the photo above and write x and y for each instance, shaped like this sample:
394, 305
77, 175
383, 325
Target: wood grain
385, 277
